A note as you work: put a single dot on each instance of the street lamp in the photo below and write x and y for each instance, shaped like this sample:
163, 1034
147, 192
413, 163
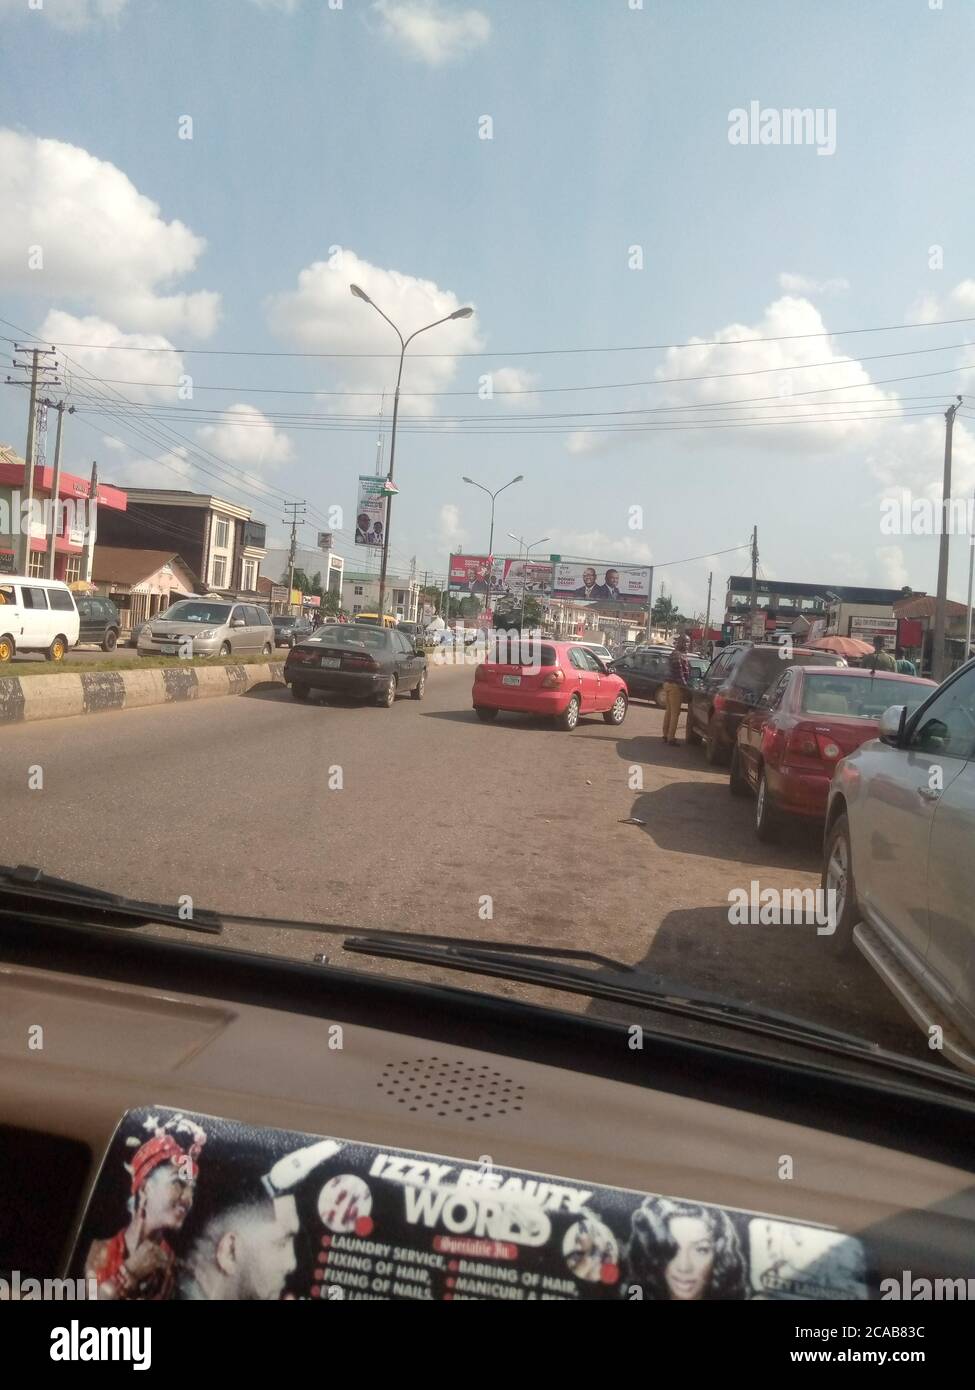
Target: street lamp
520, 479
524, 575
404, 344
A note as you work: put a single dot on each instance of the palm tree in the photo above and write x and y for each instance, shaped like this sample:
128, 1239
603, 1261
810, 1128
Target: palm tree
666, 613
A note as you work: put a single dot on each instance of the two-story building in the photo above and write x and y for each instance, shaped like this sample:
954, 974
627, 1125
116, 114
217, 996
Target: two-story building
69, 521
360, 594
219, 541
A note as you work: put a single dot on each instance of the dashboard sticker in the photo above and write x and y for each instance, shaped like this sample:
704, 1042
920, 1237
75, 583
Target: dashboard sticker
189, 1206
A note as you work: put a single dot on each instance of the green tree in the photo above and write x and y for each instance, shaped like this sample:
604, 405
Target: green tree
666, 613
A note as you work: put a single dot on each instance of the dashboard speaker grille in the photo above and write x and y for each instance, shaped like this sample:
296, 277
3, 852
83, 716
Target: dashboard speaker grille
434, 1086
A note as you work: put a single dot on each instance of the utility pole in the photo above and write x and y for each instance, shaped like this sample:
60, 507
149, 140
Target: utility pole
753, 600
60, 407
36, 368
971, 574
941, 603
92, 521
707, 619
295, 520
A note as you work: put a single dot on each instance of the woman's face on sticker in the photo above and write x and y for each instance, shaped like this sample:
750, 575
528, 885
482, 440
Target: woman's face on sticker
689, 1271
168, 1199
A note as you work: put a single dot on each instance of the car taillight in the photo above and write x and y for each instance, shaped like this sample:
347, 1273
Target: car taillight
829, 748
357, 661
553, 679
805, 743
299, 654
721, 702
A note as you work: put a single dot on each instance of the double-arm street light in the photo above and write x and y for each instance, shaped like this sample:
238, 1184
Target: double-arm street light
524, 571
492, 495
404, 344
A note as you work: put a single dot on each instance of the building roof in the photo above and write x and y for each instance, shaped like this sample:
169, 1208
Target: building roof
924, 606
783, 588
125, 565
394, 581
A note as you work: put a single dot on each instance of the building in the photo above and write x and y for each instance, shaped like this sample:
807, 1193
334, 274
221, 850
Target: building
915, 630
788, 606
360, 594
69, 519
219, 541
141, 583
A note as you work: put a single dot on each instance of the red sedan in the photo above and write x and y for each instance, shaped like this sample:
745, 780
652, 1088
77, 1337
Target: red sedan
788, 747
562, 680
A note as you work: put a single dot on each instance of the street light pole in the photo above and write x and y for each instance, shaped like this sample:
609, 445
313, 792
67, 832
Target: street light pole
938, 653
492, 495
404, 344
524, 571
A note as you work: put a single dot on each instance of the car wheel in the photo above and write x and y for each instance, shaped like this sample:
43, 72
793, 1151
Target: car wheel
569, 717
6, 649
737, 783
767, 819
838, 876
299, 692
713, 752
617, 714
386, 697
111, 640
419, 690
659, 698
57, 649
691, 735
225, 649
485, 712
267, 649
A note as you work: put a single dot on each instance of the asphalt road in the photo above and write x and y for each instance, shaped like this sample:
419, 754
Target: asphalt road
512, 830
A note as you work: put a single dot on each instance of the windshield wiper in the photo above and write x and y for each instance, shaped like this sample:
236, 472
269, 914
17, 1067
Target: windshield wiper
26, 888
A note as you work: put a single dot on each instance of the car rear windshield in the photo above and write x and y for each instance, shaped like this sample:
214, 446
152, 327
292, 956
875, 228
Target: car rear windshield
762, 664
855, 697
283, 620
198, 612
354, 637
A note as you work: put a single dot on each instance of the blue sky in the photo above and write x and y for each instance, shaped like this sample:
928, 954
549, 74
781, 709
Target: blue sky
357, 128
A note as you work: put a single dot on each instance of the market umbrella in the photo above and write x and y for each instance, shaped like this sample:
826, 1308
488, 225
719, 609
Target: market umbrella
850, 647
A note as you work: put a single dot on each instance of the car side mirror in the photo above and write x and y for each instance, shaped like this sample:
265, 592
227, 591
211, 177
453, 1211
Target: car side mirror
238, 622
891, 728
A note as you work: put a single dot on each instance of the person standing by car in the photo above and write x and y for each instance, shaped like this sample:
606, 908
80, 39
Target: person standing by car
678, 676
879, 659
902, 665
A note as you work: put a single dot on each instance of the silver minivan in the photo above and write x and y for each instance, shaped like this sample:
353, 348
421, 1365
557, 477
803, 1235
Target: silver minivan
900, 832
209, 627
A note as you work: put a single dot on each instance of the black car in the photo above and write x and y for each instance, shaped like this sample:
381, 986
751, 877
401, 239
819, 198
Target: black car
367, 663
288, 629
100, 622
733, 685
645, 670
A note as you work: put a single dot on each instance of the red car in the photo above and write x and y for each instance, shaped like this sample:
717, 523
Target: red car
787, 748
562, 680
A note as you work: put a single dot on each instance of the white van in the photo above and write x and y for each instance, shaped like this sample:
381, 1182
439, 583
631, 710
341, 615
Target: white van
36, 615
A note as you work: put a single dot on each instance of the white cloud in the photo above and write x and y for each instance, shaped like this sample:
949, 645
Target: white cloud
451, 533
101, 242
141, 371
321, 315
804, 284
432, 32
67, 14
599, 545
893, 566
172, 468
247, 437
959, 302
514, 380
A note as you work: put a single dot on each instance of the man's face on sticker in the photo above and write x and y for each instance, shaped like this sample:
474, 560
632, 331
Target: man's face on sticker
167, 1198
689, 1272
266, 1252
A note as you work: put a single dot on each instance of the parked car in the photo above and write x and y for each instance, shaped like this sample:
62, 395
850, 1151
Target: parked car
561, 680
365, 662
36, 615
733, 685
788, 746
100, 621
647, 669
209, 627
288, 629
599, 650
900, 828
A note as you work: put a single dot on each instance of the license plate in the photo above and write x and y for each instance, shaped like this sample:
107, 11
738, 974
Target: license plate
170, 649
331, 662
511, 680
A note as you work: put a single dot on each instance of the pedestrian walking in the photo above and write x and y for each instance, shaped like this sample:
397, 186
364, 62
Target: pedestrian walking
678, 678
903, 666
879, 659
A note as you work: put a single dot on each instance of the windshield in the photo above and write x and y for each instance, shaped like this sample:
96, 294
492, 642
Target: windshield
856, 698
378, 311
194, 612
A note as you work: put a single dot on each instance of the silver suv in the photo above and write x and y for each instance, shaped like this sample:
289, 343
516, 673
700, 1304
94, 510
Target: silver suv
209, 627
900, 836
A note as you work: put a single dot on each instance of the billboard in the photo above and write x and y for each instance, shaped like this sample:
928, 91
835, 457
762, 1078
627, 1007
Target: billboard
587, 581
533, 577
469, 574
370, 511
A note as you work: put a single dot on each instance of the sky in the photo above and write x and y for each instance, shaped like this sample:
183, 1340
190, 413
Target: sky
610, 185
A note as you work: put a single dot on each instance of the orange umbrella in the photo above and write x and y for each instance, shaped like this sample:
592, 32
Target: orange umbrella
850, 647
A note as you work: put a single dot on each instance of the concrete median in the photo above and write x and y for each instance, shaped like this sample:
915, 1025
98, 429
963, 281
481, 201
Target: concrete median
26, 698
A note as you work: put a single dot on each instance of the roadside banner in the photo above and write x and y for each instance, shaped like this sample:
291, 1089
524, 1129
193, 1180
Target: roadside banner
370, 511
586, 581
528, 576
469, 574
